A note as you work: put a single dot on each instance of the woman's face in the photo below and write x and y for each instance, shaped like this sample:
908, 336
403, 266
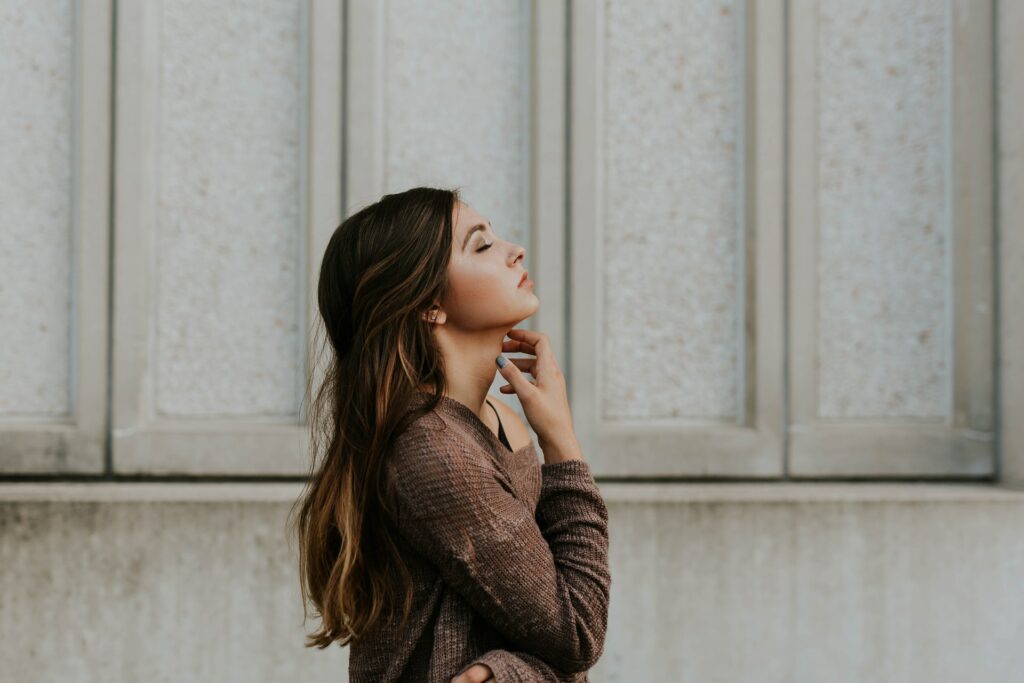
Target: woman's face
483, 277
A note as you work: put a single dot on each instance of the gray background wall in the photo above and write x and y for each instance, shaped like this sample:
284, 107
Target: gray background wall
812, 208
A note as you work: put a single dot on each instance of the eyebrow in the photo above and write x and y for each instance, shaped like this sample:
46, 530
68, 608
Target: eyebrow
479, 226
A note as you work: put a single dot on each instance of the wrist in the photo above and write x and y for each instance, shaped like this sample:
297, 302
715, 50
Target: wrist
561, 449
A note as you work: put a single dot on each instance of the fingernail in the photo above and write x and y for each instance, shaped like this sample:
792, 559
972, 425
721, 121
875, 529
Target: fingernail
501, 360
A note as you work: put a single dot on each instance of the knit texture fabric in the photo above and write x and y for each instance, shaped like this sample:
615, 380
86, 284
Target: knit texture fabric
509, 559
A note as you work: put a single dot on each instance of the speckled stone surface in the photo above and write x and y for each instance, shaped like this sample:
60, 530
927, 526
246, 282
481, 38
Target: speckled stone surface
457, 104
144, 591
36, 266
671, 245
198, 582
883, 247
229, 319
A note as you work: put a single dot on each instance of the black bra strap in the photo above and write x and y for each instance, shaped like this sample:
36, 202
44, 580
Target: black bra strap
501, 428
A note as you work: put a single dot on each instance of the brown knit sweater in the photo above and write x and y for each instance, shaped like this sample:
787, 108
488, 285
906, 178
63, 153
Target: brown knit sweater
509, 559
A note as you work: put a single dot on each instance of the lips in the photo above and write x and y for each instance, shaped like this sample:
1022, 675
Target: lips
522, 279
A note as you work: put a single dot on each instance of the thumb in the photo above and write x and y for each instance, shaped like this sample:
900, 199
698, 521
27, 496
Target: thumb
510, 371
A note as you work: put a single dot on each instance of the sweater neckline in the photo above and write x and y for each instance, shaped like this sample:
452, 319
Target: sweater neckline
460, 410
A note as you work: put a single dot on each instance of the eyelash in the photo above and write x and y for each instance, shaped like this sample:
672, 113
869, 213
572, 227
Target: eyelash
485, 247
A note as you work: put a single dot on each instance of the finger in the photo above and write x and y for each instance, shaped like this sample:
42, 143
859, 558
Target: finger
514, 376
520, 336
546, 363
506, 349
524, 364
524, 335
478, 673
516, 346
507, 388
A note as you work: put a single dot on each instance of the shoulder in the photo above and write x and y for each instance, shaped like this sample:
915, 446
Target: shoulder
515, 429
429, 432
436, 476
432, 450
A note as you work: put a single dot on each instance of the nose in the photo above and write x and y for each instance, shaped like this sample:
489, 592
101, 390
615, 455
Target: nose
520, 254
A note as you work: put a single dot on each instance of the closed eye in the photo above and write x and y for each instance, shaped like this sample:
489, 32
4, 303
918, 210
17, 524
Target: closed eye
485, 247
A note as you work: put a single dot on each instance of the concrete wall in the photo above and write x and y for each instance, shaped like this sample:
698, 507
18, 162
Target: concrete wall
767, 583
158, 247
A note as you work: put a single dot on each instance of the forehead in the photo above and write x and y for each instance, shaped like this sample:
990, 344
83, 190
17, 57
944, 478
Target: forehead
465, 218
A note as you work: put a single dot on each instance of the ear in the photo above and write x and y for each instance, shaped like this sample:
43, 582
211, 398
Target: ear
434, 315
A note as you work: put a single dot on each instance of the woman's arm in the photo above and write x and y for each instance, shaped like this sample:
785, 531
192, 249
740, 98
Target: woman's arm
507, 666
541, 579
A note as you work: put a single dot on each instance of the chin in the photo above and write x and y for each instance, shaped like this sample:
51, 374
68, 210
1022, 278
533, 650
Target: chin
530, 310
514, 312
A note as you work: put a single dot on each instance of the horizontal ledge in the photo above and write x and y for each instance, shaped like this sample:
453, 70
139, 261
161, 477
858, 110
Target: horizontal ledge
156, 491
809, 492
613, 492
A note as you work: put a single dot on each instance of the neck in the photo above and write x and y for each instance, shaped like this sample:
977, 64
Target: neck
469, 364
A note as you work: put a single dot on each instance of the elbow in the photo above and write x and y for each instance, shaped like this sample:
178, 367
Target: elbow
585, 644
572, 639
579, 651
576, 660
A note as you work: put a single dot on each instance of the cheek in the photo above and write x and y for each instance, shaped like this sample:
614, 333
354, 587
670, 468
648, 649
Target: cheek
478, 291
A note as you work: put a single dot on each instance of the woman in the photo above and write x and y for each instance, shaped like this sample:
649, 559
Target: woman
417, 498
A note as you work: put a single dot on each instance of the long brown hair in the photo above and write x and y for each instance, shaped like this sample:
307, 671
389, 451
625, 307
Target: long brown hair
383, 267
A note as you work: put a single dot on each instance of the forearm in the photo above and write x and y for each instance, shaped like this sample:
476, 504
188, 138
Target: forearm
538, 574
509, 666
565, 447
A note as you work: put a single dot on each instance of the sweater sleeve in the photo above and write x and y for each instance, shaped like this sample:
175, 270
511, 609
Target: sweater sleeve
519, 667
541, 579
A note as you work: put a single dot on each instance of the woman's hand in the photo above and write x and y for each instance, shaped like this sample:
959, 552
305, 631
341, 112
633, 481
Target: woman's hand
478, 673
544, 399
